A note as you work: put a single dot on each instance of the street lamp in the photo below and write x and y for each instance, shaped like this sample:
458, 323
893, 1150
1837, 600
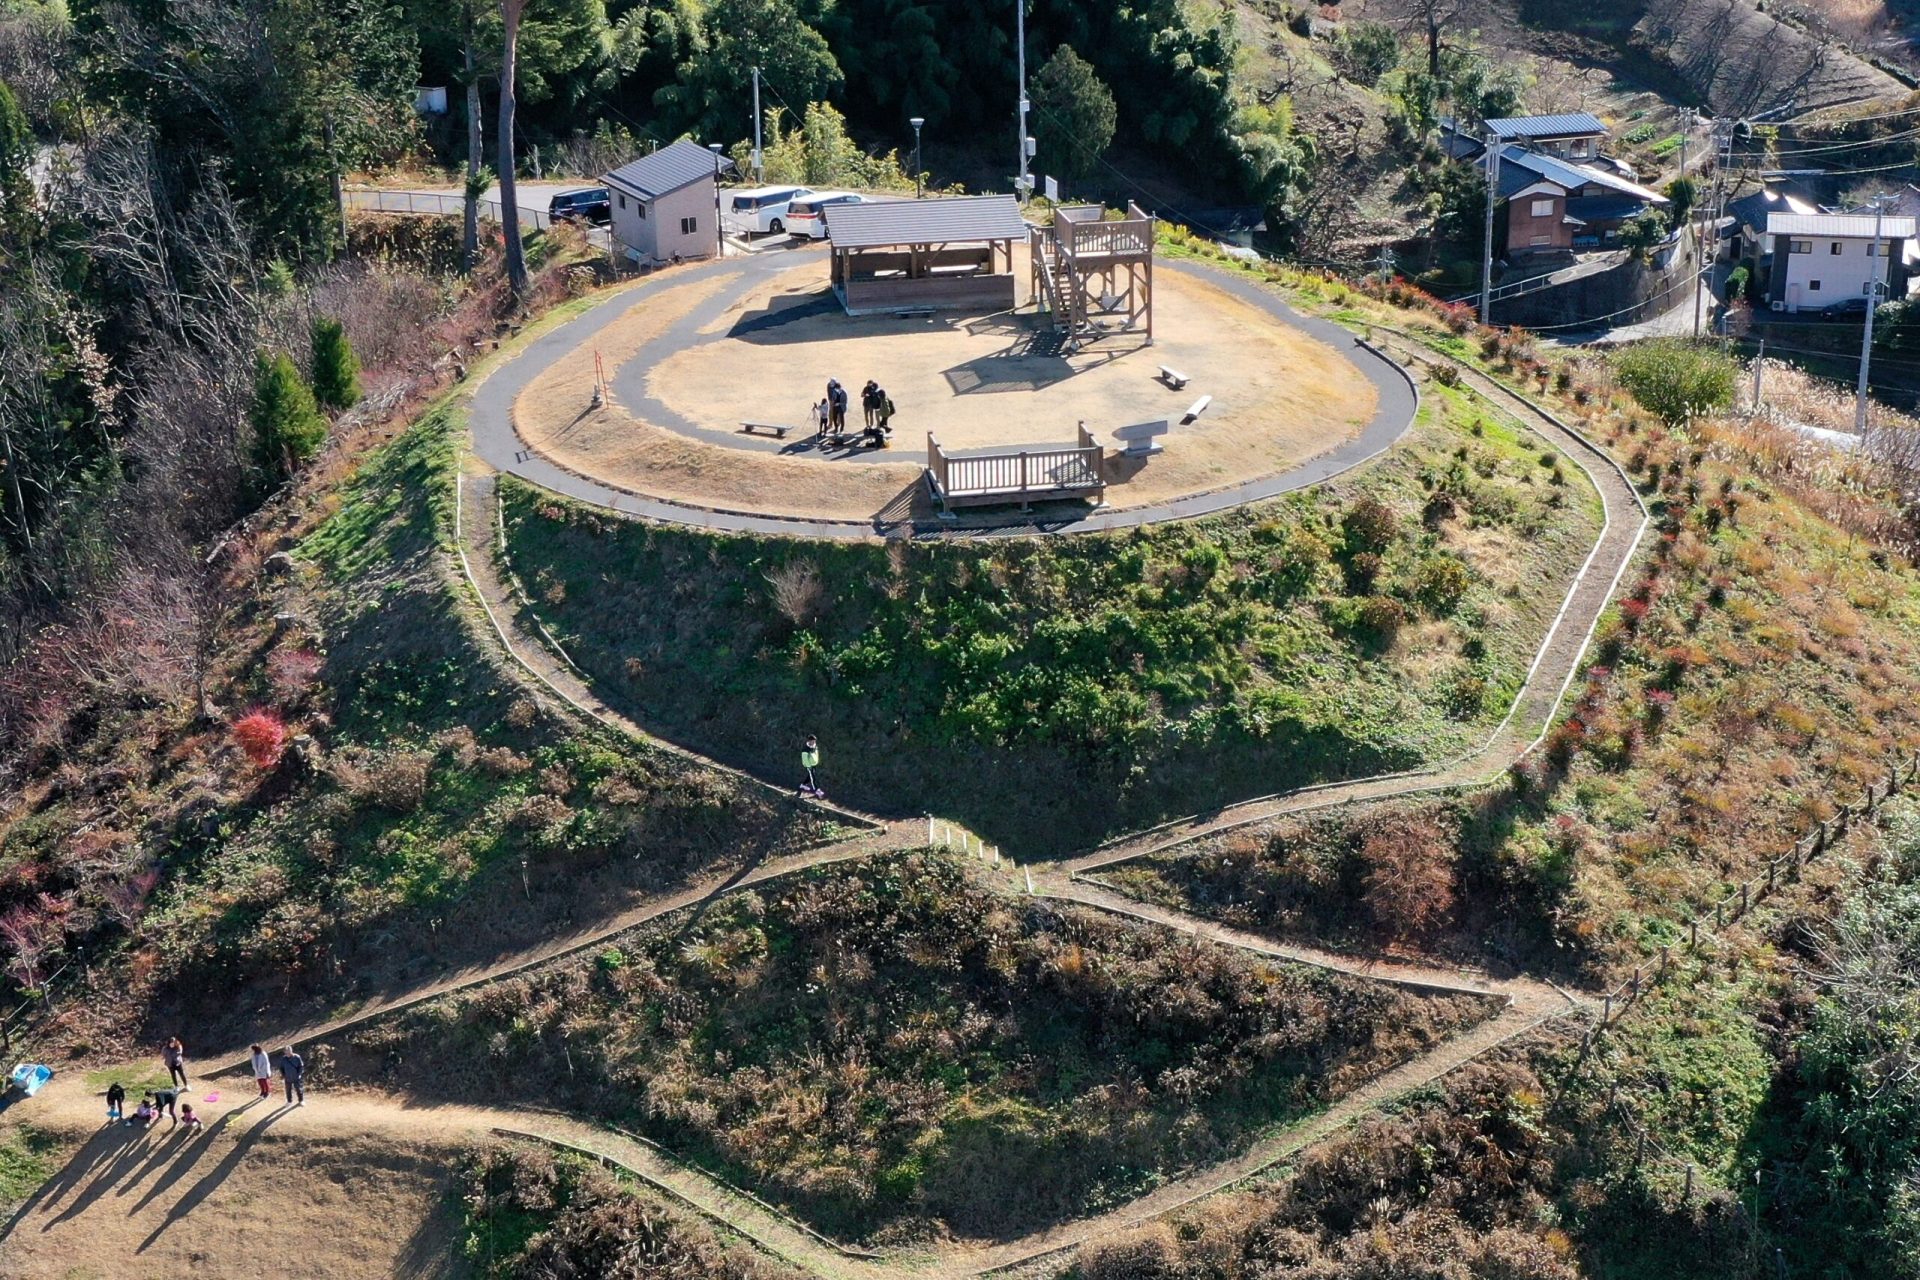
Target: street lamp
916, 122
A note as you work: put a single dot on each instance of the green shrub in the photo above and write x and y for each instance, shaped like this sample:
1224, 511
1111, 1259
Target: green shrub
1369, 525
1441, 582
287, 427
1736, 288
1677, 379
336, 371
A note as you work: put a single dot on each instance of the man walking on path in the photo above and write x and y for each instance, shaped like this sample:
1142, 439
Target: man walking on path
292, 1068
809, 761
262, 1070
175, 1056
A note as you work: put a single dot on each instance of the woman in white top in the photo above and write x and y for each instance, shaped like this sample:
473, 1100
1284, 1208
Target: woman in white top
262, 1070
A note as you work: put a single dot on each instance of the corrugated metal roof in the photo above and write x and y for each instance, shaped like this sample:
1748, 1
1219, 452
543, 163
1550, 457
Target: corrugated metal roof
885, 222
1573, 176
1570, 126
1839, 225
668, 169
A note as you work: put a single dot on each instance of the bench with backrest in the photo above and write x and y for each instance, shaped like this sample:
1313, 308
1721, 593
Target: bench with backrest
1141, 439
776, 429
1173, 377
1015, 473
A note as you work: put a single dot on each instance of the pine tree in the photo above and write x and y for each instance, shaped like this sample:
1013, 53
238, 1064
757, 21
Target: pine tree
287, 426
336, 372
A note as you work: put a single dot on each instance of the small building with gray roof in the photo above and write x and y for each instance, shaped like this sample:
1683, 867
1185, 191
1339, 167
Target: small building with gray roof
957, 253
666, 204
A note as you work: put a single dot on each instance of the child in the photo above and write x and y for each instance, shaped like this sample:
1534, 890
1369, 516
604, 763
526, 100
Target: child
116, 1101
188, 1120
145, 1116
262, 1071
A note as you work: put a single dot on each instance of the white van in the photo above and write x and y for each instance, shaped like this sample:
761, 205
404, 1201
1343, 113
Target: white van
804, 217
758, 210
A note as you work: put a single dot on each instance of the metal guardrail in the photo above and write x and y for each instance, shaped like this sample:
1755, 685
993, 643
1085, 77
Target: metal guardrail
444, 204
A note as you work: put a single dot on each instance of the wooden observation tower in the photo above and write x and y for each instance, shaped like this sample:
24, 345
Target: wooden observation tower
1094, 276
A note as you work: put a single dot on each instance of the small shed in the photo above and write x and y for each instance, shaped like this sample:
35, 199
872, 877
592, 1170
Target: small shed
951, 254
666, 205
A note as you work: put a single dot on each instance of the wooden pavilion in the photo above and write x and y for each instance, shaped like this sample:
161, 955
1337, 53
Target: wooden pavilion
896, 255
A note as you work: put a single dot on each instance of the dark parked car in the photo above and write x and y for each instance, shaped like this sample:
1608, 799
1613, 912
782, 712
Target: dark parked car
1846, 308
588, 204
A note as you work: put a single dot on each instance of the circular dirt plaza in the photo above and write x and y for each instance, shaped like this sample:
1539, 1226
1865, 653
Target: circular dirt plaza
695, 353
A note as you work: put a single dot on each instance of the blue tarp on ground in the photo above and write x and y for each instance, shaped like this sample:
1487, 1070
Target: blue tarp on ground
31, 1077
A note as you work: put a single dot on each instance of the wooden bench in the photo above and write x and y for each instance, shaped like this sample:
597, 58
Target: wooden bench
991, 477
1173, 377
1197, 408
778, 429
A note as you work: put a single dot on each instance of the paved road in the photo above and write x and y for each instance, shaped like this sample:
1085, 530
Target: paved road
498, 444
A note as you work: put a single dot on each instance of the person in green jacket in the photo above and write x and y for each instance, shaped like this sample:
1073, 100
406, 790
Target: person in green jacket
809, 761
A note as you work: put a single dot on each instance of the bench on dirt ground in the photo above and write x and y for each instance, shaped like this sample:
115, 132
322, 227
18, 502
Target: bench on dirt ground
1197, 408
777, 429
1140, 439
1173, 377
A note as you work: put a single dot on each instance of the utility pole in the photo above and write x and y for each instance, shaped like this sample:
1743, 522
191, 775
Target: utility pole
1493, 198
1686, 137
1022, 184
1703, 275
759, 167
719, 223
1866, 336
1759, 363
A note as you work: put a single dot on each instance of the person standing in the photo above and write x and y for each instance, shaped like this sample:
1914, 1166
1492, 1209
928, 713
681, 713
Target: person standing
886, 412
835, 413
809, 761
822, 415
870, 401
262, 1070
175, 1056
293, 1070
839, 408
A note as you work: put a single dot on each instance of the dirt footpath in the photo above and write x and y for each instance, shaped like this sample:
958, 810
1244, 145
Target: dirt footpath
343, 1187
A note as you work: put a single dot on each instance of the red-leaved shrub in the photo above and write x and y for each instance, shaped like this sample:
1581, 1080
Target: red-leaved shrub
262, 736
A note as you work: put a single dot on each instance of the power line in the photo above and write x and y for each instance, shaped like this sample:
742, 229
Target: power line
1823, 148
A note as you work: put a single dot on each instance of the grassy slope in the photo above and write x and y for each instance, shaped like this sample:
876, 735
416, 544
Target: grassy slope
526, 1211
894, 1040
1051, 692
438, 816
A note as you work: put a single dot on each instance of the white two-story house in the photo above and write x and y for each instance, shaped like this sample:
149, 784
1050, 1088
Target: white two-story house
1821, 259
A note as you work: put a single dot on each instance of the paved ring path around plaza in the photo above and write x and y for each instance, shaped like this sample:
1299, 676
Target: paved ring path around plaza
497, 442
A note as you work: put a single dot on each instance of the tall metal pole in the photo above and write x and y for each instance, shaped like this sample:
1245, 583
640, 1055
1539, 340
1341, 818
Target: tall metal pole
719, 219
759, 162
1701, 266
918, 172
1022, 183
1493, 197
1866, 336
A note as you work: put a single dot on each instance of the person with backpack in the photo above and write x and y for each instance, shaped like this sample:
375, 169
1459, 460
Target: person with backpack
886, 413
293, 1070
870, 401
838, 394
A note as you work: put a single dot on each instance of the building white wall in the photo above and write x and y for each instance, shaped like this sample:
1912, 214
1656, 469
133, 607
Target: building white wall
653, 229
1833, 270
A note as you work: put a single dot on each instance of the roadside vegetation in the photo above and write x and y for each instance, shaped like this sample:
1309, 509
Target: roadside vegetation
526, 1211
1053, 692
897, 1044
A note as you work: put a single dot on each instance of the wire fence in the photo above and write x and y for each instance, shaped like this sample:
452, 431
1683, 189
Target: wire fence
1703, 936
19, 1024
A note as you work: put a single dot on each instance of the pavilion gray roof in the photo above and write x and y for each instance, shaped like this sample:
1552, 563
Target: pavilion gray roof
890, 222
668, 169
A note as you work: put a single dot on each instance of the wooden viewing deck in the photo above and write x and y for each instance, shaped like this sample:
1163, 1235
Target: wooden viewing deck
1087, 269
984, 477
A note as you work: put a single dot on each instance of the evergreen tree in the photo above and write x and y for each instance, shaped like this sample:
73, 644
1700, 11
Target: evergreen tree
16, 157
1074, 115
287, 426
336, 371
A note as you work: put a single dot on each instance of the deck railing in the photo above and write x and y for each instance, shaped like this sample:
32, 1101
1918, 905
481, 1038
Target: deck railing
1015, 473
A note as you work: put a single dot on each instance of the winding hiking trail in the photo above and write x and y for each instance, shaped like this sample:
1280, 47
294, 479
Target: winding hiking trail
68, 1105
